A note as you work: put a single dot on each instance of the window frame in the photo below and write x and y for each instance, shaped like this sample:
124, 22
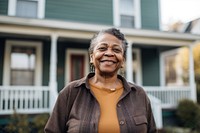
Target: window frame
12, 4
38, 67
136, 13
163, 55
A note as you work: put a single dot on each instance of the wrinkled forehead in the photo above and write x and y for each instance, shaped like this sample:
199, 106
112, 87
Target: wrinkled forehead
108, 39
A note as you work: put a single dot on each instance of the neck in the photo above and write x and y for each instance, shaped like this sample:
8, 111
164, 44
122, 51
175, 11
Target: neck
106, 81
105, 78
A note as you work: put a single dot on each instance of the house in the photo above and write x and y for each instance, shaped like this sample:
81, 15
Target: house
43, 46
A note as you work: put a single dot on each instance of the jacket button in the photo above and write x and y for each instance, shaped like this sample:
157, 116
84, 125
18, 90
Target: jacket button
121, 122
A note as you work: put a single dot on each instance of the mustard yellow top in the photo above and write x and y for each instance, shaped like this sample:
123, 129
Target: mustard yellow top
107, 98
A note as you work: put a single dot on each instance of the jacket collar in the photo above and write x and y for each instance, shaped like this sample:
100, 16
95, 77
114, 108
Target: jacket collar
85, 81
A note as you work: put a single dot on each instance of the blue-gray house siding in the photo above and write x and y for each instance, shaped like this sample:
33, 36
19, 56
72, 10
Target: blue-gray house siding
3, 7
88, 11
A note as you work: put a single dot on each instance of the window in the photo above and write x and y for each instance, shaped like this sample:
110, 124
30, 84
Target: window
127, 13
175, 67
23, 63
27, 8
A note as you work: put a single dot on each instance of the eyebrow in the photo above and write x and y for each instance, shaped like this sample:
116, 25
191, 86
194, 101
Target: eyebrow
104, 43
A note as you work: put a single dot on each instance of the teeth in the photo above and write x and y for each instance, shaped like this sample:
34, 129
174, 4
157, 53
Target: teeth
108, 61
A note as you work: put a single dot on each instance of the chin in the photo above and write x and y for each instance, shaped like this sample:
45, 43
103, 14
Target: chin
111, 73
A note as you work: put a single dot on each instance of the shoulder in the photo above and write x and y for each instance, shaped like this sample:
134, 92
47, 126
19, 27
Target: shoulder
138, 91
130, 86
72, 86
136, 87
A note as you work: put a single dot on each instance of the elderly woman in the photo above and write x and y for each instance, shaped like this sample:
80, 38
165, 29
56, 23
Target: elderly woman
103, 101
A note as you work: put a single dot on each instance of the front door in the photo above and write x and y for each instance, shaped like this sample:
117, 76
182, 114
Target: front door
77, 64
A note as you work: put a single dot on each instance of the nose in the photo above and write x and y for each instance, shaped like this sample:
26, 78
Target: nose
109, 52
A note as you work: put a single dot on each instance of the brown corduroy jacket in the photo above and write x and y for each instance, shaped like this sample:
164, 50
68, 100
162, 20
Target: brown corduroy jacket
77, 111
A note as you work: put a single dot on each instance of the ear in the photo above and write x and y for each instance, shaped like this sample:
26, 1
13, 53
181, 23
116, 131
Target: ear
91, 59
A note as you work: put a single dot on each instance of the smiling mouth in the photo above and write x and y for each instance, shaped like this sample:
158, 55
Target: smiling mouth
108, 61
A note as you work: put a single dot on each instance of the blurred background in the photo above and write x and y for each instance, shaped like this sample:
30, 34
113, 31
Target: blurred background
44, 46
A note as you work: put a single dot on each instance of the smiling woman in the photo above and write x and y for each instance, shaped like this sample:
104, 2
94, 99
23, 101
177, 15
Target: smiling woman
107, 56
103, 101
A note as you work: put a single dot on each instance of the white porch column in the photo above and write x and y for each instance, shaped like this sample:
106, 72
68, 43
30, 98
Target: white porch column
191, 74
53, 71
129, 63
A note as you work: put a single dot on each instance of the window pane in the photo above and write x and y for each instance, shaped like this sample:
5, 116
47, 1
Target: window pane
170, 70
127, 21
126, 7
22, 65
22, 77
26, 8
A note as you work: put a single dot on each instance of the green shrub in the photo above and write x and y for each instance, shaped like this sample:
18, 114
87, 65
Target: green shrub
188, 114
22, 123
40, 121
18, 124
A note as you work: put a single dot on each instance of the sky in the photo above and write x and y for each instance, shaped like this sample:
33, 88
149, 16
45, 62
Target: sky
179, 10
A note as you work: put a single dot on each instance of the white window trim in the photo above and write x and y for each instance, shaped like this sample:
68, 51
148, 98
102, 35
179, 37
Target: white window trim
137, 13
138, 79
162, 64
159, 15
70, 51
38, 68
13, 3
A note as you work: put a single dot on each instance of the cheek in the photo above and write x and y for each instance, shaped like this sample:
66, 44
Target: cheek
120, 58
97, 56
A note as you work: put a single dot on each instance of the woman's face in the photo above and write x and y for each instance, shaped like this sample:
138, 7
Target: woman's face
107, 56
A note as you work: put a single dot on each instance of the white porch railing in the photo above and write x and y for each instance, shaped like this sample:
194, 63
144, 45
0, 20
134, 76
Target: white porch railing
169, 96
24, 99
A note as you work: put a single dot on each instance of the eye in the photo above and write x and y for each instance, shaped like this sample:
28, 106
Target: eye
117, 50
102, 48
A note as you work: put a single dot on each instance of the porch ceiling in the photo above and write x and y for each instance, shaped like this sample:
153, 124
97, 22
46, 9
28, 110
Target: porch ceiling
24, 36
43, 27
